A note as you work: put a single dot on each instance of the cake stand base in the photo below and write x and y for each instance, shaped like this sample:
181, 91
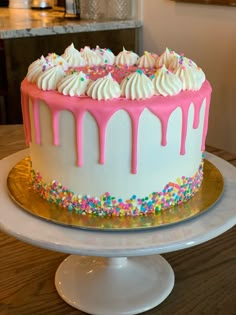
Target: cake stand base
114, 286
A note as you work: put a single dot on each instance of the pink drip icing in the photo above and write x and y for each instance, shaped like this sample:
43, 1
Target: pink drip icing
102, 111
55, 126
197, 108
205, 126
163, 113
135, 114
102, 118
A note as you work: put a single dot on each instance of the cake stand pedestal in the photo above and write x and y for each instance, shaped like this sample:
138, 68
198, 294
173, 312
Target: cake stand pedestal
116, 273
114, 286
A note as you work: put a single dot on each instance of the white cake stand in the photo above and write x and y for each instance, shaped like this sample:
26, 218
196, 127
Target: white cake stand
116, 273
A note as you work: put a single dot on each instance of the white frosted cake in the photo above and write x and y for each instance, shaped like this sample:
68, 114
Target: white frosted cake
115, 135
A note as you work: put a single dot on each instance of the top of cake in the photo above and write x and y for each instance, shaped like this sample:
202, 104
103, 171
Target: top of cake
99, 74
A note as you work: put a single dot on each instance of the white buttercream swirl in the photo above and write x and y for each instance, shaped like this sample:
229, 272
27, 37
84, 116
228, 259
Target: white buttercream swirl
126, 58
73, 57
137, 86
36, 68
91, 57
147, 60
105, 88
49, 79
107, 56
73, 84
192, 77
181, 60
37, 63
166, 83
56, 60
166, 58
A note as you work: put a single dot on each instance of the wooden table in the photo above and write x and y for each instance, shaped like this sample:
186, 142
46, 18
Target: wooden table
205, 274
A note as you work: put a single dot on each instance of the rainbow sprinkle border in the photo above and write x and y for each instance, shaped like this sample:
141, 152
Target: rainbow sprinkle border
107, 205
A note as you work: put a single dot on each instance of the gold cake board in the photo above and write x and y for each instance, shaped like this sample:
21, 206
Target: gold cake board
22, 193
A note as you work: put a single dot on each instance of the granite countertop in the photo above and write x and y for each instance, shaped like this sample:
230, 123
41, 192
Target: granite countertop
15, 23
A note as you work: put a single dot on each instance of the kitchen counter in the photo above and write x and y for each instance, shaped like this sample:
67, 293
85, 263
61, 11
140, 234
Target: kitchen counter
15, 23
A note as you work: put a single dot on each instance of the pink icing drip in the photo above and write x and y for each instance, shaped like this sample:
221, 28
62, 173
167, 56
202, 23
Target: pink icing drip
55, 126
102, 111
197, 108
102, 118
134, 115
205, 126
163, 113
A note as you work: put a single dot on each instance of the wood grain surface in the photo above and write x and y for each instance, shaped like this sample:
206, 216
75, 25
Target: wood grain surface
205, 275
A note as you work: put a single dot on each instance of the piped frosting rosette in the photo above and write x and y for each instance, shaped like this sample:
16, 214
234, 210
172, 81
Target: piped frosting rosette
147, 60
49, 79
56, 60
126, 58
166, 58
192, 77
36, 68
137, 86
73, 84
181, 60
73, 57
107, 56
166, 83
105, 88
91, 57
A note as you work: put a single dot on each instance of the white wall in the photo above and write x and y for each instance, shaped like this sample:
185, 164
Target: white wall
206, 34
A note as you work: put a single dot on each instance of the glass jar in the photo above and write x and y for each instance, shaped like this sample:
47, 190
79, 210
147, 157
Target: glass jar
72, 8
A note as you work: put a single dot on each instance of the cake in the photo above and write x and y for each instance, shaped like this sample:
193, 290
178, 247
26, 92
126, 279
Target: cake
116, 135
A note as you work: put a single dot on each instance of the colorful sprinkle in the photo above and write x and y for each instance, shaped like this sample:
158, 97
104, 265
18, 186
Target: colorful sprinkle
106, 205
139, 71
